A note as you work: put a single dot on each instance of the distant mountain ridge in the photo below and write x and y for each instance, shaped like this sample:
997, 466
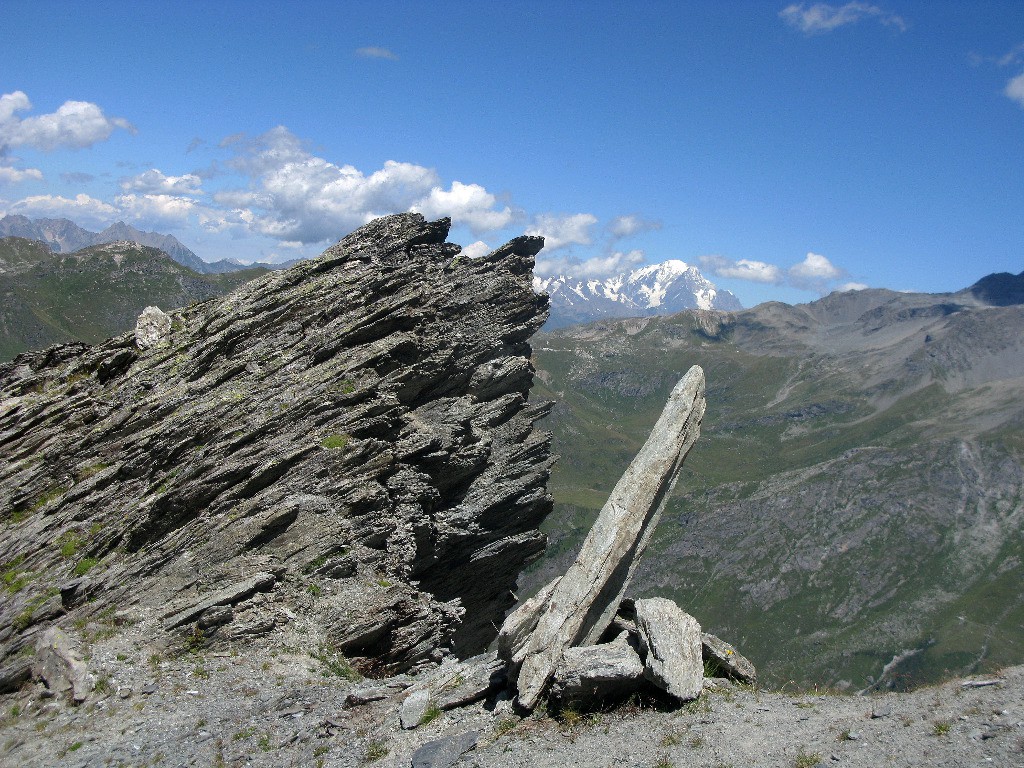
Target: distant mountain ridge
656, 289
852, 514
1001, 289
64, 236
93, 293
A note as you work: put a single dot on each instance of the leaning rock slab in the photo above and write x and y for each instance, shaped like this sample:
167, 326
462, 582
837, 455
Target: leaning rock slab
672, 640
727, 659
594, 673
586, 599
59, 665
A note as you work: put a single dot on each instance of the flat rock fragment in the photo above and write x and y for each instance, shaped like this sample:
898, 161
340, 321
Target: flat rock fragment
592, 674
442, 753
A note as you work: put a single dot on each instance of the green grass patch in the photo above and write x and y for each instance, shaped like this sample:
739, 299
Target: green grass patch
334, 442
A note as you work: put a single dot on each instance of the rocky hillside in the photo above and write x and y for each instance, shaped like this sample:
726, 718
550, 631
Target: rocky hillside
853, 512
655, 289
345, 446
91, 294
64, 236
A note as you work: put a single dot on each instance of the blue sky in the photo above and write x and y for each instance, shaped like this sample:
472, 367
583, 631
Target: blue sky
786, 149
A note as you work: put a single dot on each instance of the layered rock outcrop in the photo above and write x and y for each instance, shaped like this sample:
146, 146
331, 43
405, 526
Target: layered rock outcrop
348, 442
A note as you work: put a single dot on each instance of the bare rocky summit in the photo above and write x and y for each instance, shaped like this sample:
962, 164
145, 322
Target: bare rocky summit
346, 444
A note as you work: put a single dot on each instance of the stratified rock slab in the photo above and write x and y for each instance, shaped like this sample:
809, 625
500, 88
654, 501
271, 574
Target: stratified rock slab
672, 640
358, 425
583, 604
222, 597
729, 662
592, 674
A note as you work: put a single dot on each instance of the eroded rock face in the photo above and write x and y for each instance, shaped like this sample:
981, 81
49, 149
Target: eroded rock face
348, 441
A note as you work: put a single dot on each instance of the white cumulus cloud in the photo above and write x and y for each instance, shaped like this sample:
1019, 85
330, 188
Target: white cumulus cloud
1015, 89
157, 210
852, 287
822, 17
815, 267
742, 269
75, 124
598, 266
562, 230
632, 224
298, 196
469, 205
814, 273
10, 175
155, 181
81, 208
477, 249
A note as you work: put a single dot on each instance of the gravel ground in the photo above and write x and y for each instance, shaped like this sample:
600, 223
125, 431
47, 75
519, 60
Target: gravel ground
277, 705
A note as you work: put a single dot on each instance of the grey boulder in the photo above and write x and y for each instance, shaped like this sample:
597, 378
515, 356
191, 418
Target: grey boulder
589, 675
671, 641
727, 660
59, 664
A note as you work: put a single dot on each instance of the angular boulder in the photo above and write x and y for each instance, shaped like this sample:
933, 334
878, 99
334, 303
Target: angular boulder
670, 640
590, 675
152, 328
59, 664
726, 660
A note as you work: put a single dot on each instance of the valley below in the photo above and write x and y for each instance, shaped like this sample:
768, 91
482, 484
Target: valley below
851, 516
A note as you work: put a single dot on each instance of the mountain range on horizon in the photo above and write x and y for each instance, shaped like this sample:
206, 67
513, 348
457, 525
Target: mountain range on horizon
65, 236
851, 514
653, 289
92, 293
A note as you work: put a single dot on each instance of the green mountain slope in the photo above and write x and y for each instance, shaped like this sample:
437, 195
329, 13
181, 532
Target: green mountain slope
856, 495
92, 294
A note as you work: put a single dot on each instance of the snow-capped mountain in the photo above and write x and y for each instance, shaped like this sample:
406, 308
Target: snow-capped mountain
657, 289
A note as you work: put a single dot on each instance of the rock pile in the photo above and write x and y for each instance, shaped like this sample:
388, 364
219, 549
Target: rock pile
578, 641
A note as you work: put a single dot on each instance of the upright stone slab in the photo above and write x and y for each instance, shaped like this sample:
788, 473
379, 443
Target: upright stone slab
672, 639
585, 600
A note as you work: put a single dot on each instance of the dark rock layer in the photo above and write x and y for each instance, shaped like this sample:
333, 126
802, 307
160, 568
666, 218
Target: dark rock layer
347, 443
